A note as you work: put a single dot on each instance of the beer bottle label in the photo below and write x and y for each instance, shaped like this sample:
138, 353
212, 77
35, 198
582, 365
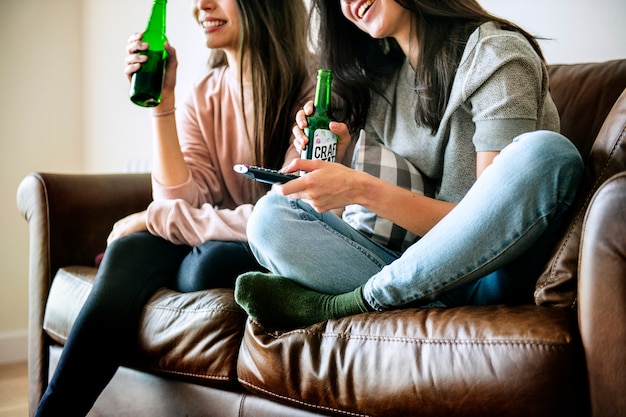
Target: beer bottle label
323, 145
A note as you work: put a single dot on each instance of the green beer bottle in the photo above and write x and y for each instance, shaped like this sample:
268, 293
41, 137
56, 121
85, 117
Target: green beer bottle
147, 83
322, 142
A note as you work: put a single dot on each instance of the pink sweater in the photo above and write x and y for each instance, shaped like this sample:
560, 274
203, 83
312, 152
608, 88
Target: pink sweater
215, 202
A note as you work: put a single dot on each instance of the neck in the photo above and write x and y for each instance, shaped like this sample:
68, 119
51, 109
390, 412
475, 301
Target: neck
407, 40
233, 62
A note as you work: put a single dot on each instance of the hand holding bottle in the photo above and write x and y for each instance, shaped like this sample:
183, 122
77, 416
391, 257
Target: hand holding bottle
147, 81
338, 128
134, 60
322, 143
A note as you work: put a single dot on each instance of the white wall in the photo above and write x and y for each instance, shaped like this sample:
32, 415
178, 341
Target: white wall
118, 130
580, 30
40, 129
65, 106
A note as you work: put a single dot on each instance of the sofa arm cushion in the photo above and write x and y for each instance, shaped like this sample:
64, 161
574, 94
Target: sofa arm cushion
557, 284
466, 361
602, 297
72, 215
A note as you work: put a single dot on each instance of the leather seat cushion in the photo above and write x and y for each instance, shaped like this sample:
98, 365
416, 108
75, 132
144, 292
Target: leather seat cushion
193, 336
467, 361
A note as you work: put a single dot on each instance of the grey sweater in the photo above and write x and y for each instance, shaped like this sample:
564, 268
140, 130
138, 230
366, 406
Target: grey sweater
500, 91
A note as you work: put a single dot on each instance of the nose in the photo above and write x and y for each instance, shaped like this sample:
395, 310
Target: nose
204, 4
199, 6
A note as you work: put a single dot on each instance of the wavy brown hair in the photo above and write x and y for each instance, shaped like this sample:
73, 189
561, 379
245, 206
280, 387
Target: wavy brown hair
273, 41
362, 64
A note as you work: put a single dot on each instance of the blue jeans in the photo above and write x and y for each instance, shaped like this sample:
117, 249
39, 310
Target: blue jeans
489, 249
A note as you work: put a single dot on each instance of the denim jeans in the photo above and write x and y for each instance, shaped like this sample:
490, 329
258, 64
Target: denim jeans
489, 249
104, 334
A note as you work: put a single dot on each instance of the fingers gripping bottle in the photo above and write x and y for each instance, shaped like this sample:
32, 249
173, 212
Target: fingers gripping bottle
147, 83
322, 142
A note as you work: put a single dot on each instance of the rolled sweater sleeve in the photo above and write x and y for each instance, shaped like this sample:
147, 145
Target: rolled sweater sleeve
506, 87
214, 203
180, 223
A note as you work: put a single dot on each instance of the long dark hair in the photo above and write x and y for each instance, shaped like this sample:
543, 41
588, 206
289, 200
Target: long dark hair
362, 64
273, 38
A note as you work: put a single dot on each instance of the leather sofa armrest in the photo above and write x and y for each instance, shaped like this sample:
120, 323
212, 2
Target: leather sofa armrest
69, 217
602, 297
75, 213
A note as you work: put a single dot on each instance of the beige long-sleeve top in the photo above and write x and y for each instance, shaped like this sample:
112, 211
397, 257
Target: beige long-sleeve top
215, 202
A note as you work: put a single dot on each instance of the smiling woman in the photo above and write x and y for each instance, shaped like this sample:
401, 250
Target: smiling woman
221, 25
367, 16
463, 96
192, 236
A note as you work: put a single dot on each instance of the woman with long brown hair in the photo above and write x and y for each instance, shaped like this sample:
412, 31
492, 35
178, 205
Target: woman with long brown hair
461, 97
192, 236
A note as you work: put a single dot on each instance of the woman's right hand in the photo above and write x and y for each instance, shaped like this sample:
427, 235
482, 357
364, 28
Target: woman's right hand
134, 59
338, 128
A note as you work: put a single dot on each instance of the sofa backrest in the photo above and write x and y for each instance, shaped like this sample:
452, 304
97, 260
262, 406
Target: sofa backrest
584, 95
591, 99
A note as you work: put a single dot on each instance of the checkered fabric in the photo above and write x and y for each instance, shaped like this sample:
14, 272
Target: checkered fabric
374, 158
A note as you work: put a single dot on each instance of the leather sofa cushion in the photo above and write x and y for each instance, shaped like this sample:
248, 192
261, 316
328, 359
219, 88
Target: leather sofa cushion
467, 361
192, 336
585, 92
584, 95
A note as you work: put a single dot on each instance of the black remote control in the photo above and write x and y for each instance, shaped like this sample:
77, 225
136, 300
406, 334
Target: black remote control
266, 175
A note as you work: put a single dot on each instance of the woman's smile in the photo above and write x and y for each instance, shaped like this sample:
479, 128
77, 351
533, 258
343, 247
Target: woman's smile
210, 24
363, 8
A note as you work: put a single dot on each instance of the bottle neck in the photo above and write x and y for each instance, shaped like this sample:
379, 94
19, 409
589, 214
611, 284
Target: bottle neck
156, 23
323, 91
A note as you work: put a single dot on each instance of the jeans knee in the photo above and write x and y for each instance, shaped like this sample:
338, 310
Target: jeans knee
545, 150
548, 146
265, 218
551, 156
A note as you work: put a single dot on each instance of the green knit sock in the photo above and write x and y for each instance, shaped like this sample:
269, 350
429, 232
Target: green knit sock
279, 302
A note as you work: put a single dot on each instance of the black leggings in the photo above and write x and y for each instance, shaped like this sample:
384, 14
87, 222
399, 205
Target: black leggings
105, 331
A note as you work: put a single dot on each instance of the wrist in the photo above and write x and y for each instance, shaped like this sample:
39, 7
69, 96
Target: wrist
167, 103
368, 190
170, 112
360, 188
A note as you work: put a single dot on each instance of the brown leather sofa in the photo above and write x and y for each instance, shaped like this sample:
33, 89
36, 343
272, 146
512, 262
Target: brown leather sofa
199, 355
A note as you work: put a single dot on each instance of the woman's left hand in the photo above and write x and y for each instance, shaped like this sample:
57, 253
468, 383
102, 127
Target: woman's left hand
136, 222
325, 186
338, 128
